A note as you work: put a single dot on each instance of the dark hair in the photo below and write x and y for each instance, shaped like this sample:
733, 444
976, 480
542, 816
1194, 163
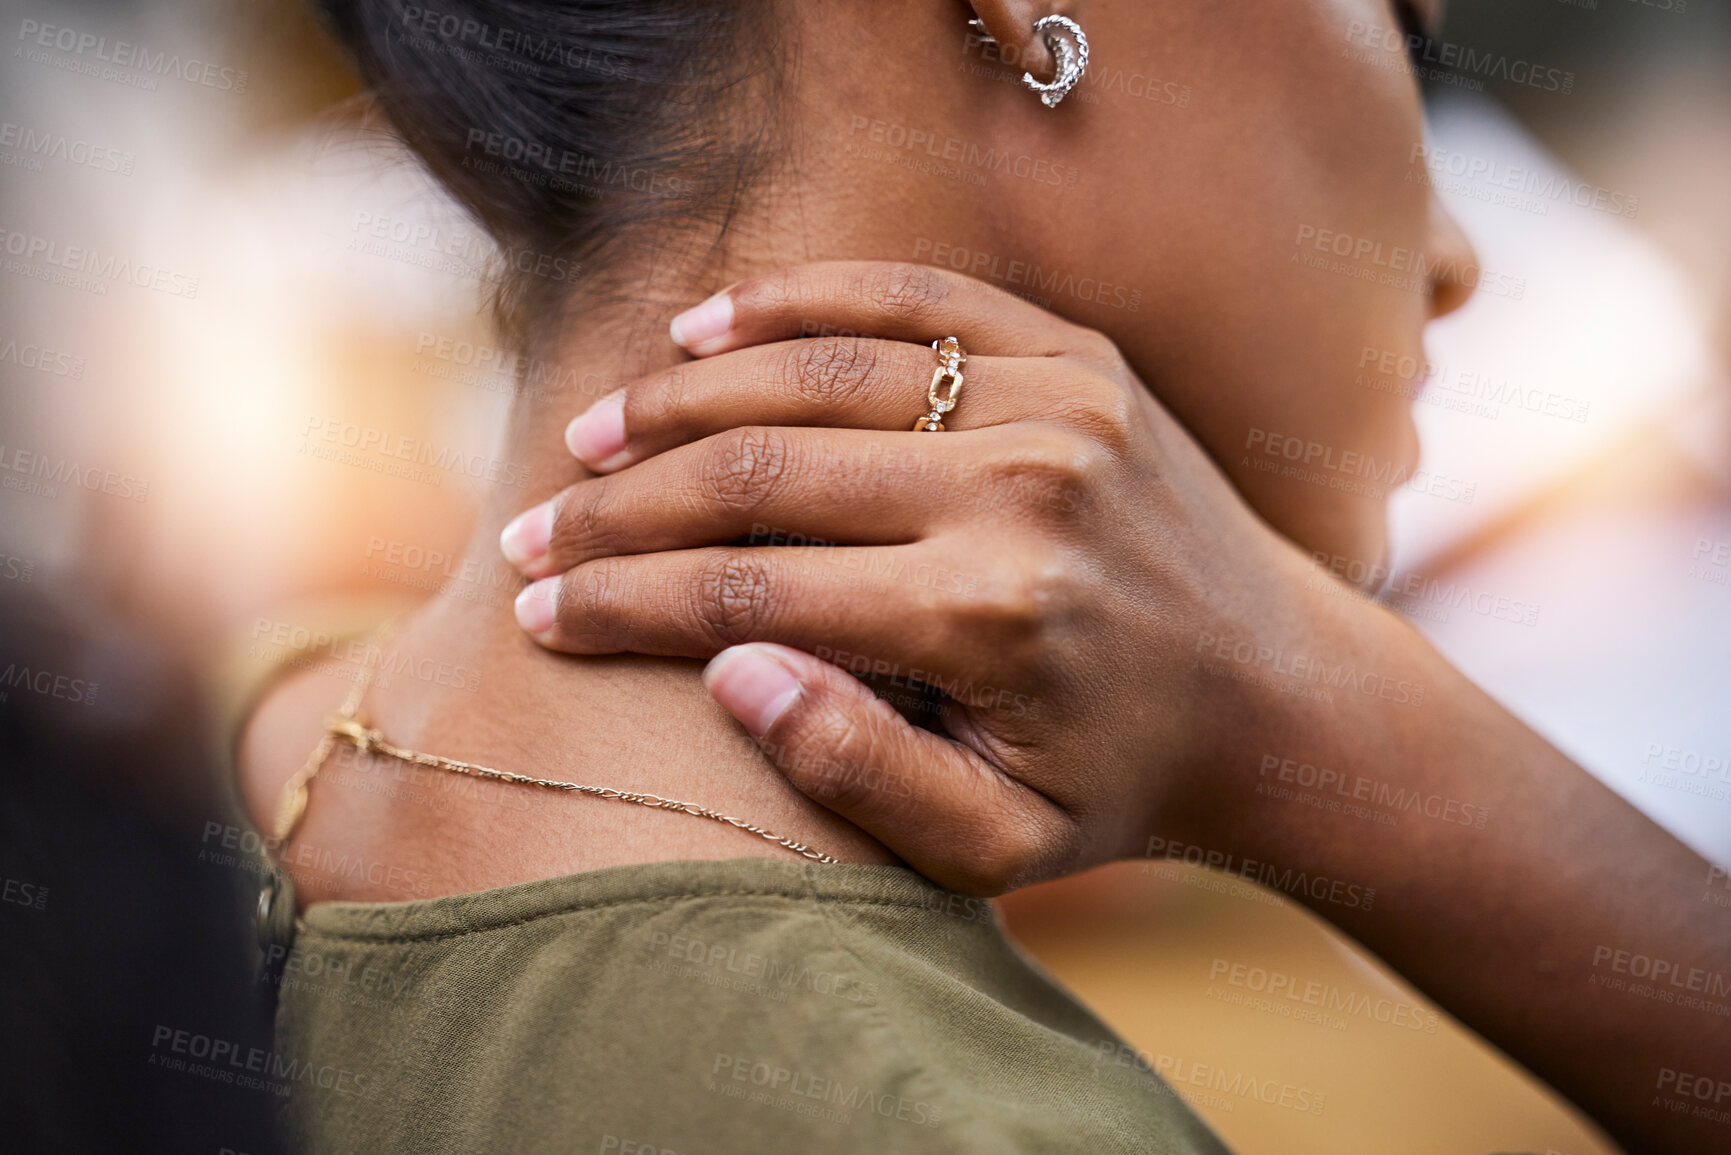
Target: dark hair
564, 126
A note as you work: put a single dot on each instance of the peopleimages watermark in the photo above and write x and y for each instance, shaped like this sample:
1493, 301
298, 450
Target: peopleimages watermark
1675, 7
1699, 1096
46, 684
726, 965
1463, 389
293, 645
952, 156
16, 569
1359, 796
434, 571
226, 1061
818, 1096
1687, 771
1348, 471
963, 690
1513, 186
1100, 77
407, 782
364, 447
238, 848
1716, 889
351, 981
566, 170
1421, 55
1208, 1084
457, 251
17, 892
1710, 561
873, 565
1307, 670
85, 269
41, 358
611, 1144
42, 475
499, 370
1319, 1003
1027, 279
1285, 879
1413, 594
26, 146
509, 49
87, 53
1396, 266
1661, 980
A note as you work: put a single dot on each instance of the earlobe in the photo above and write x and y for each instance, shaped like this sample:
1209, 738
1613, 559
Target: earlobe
1011, 24
1054, 40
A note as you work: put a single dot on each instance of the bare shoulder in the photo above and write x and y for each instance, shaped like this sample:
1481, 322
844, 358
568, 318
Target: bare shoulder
357, 840
284, 729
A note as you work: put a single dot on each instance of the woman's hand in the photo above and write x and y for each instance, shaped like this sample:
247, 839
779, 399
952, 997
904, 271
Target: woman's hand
1054, 564
1127, 654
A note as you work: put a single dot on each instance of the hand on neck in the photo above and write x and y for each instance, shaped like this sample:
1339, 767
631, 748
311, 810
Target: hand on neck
839, 190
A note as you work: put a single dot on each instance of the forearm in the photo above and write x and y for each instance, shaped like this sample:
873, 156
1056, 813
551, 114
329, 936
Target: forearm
1510, 886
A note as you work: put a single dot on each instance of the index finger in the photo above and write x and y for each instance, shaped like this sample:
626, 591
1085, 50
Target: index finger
895, 300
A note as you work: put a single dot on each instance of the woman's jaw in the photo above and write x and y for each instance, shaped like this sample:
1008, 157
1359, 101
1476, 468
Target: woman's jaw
1183, 231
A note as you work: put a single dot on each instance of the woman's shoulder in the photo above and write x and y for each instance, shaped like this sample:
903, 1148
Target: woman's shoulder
748, 1004
277, 737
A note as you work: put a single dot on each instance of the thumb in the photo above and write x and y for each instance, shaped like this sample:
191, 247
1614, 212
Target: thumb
936, 803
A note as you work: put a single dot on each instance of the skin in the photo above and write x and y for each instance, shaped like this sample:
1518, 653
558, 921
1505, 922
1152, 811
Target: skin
1095, 490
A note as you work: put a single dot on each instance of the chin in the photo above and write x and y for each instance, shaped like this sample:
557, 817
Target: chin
1381, 556
1371, 546
1350, 540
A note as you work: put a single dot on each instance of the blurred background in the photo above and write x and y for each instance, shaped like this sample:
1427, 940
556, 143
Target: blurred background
265, 263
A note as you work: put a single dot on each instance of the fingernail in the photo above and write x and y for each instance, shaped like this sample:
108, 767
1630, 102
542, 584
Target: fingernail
751, 686
538, 605
703, 323
598, 436
526, 539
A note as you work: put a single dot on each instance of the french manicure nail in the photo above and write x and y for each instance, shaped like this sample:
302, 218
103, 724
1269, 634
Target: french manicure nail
526, 539
751, 686
598, 436
538, 605
703, 323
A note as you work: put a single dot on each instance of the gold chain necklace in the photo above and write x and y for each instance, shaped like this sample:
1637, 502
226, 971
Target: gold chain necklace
347, 725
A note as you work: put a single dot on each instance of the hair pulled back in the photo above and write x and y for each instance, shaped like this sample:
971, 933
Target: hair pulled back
565, 126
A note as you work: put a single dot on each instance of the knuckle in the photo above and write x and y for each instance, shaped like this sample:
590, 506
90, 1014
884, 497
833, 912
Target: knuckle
907, 293
773, 293
1045, 469
1089, 347
1104, 412
662, 403
589, 597
733, 599
1004, 853
743, 468
1096, 347
833, 759
582, 525
830, 369
1014, 611
1032, 848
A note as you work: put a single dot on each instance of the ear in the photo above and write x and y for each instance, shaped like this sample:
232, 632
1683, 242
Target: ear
1011, 24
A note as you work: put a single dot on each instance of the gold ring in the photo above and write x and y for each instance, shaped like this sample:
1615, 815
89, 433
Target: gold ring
946, 387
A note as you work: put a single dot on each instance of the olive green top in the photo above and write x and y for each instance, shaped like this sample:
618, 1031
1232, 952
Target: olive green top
697, 1008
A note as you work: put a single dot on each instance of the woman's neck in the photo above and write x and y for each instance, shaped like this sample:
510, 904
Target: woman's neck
624, 721
463, 681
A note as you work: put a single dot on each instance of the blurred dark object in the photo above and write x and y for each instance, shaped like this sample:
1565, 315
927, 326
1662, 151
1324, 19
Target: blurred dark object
118, 929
